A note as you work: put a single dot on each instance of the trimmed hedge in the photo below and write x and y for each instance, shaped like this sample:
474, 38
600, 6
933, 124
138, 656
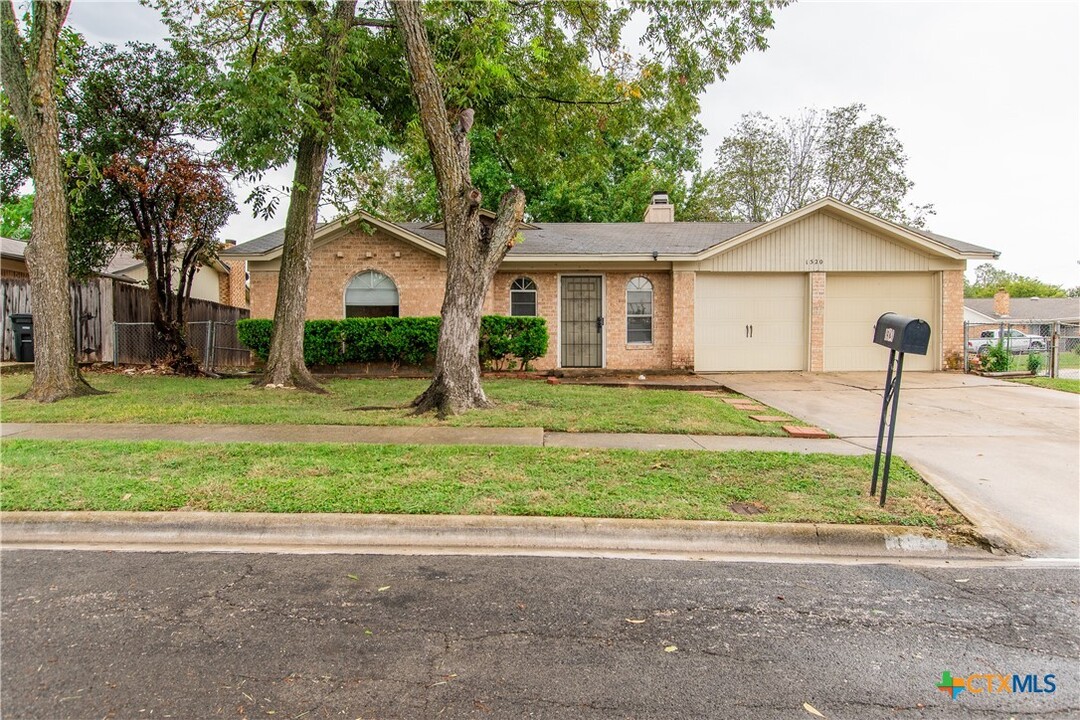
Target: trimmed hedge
402, 341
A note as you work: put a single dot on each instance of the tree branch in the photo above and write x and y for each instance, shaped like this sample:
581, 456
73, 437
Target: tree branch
563, 101
373, 22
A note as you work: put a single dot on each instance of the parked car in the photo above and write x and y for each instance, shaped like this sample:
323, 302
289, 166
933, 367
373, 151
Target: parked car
1014, 341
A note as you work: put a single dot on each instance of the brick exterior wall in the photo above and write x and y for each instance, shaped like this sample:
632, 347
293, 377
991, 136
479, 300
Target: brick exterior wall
419, 275
621, 355
232, 286
952, 313
263, 292
682, 319
547, 306
817, 321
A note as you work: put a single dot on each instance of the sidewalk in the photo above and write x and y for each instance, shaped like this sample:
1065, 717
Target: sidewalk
412, 435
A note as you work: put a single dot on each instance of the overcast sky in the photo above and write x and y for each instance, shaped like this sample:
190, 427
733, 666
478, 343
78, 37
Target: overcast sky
984, 96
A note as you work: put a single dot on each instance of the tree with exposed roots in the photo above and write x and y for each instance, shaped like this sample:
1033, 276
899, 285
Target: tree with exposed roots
474, 249
28, 71
687, 47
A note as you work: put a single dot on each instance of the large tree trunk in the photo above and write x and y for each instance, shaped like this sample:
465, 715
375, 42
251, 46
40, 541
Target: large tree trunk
470, 267
30, 83
473, 250
285, 364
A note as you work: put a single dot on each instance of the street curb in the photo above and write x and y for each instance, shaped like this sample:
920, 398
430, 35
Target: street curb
990, 526
463, 534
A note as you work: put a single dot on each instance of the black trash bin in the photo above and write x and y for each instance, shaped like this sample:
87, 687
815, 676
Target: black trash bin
22, 327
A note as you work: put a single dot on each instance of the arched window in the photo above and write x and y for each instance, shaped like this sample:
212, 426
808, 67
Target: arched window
639, 310
371, 294
523, 297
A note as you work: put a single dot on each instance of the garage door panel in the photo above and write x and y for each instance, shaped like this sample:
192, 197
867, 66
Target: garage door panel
853, 303
750, 322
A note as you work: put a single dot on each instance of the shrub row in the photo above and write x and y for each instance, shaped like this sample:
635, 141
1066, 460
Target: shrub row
403, 341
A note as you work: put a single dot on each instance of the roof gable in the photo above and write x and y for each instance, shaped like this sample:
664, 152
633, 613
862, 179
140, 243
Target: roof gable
934, 244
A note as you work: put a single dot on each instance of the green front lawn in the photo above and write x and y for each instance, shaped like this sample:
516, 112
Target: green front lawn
1062, 384
519, 403
404, 479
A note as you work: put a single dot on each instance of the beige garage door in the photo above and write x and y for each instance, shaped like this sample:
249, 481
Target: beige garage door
853, 303
749, 322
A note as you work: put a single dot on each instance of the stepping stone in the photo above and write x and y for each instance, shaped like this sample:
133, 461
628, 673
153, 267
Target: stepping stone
769, 418
805, 432
751, 408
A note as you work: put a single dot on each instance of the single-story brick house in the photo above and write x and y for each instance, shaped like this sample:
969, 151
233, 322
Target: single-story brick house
801, 292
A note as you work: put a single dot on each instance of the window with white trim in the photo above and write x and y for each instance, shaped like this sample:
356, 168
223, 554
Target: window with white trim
371, 294
639, 311
523, 297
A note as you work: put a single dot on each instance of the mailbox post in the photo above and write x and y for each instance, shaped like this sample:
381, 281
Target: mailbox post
901, 335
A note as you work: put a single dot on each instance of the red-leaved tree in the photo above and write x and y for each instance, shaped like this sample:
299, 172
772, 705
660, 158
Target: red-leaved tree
173, 203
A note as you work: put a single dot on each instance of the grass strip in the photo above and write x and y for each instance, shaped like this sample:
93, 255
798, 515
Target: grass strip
518, 403
404, 479
1071, 385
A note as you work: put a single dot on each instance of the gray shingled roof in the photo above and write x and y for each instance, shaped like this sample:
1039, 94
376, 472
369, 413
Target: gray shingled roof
1030, 308
262, 244
678, 238
12, 248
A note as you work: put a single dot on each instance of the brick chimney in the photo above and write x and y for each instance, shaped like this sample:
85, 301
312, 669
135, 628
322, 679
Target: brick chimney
1001, 303
232, 286
660, 209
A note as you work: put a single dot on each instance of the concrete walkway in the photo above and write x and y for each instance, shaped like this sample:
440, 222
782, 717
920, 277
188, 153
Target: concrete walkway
1003, 453
406, 435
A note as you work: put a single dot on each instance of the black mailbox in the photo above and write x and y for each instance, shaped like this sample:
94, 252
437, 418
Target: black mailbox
902, 334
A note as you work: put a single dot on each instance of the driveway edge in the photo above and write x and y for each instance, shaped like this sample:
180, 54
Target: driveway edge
991, 527
465, 534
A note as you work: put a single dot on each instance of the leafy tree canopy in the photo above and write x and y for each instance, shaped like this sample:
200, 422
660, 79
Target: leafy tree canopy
15, 217
989, 279
566, 113
767, 168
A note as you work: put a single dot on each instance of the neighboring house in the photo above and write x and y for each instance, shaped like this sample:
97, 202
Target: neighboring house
1032, 315
13, 258
215, 281
801, 292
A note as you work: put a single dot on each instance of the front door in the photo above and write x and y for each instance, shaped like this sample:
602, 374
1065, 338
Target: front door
582, 324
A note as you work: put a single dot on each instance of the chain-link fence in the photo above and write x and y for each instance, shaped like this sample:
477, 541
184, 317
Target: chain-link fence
214, 344
1042, 347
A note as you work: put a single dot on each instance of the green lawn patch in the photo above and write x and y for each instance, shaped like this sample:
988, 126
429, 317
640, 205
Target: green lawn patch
519, 403
404, 479
1062, 384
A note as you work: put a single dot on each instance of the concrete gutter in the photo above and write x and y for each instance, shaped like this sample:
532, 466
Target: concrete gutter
459, 534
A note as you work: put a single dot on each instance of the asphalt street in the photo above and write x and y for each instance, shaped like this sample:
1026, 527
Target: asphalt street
198, 635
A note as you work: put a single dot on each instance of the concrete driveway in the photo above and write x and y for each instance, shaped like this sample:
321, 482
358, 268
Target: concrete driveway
1007, 454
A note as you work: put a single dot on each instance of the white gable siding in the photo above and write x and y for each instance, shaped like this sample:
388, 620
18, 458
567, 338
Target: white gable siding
823, 242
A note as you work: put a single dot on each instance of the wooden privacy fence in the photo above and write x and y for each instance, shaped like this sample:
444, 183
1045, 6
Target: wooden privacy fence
99, 304
86, 309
